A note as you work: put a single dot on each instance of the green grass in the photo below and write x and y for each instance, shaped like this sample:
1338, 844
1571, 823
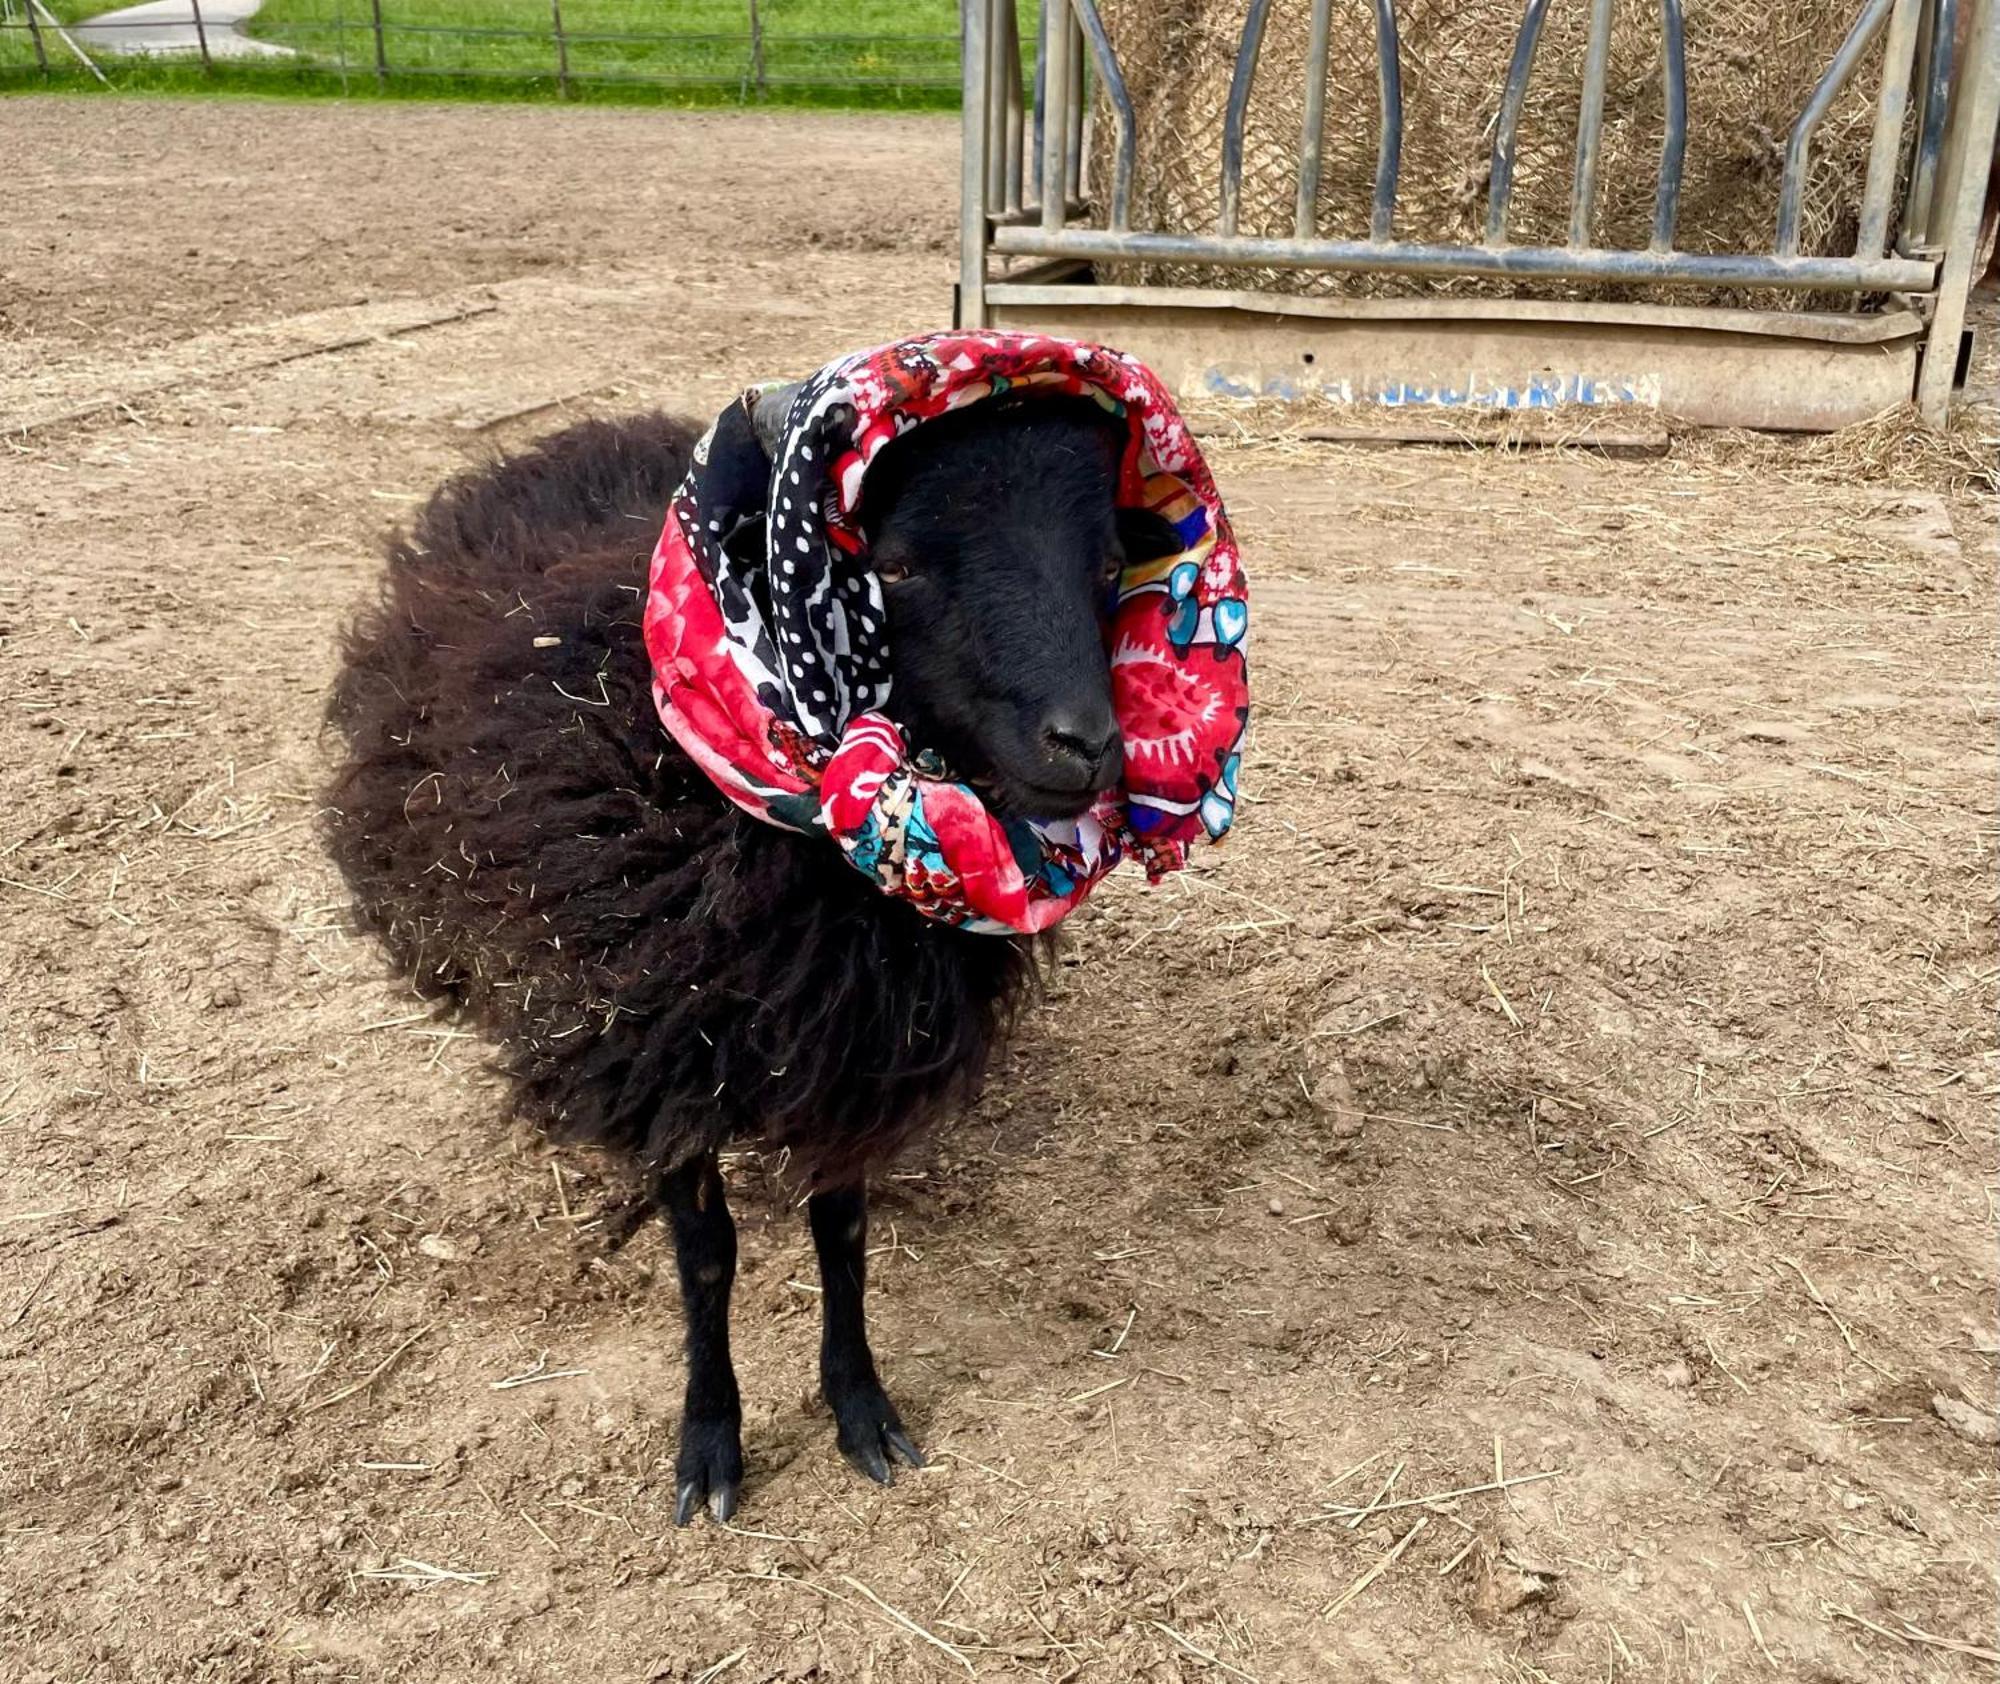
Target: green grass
17, 45
871, 53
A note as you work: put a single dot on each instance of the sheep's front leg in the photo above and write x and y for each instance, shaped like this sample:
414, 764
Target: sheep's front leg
710, 1465
870, 1431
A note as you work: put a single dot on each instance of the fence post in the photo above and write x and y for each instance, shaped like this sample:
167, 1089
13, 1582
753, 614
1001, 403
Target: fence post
756, 50
381, 52
1963, 171
201, 38
975, 42
562, 50
41, 51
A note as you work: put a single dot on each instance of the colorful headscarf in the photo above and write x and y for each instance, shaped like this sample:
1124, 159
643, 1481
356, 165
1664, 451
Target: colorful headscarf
769, 639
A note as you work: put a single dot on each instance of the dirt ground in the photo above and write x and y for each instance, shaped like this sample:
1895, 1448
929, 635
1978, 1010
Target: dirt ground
1571, 1092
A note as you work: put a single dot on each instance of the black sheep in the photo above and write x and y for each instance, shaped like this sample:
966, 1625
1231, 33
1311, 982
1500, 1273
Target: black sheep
661, 972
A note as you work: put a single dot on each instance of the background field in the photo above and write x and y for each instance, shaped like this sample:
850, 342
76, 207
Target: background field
885, 49
866, 53
1576, 1076
17, 49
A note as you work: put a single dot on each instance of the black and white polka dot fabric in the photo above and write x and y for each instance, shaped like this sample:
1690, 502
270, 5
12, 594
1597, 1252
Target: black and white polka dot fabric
804, 612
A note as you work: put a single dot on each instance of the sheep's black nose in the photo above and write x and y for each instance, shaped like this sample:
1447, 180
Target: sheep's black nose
1085, 746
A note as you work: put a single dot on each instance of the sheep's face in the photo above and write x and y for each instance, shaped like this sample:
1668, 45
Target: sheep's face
996, 537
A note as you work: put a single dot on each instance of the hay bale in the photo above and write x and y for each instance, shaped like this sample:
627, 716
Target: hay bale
1750, 70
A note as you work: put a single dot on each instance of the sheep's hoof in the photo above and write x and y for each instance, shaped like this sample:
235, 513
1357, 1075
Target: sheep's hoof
709, 1467
870, 1434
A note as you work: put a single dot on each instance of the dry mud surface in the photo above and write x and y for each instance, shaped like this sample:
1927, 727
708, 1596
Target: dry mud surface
1576, 1077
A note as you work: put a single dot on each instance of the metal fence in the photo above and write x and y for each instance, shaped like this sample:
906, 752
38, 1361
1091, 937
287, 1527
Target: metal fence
1027, 150
728, 49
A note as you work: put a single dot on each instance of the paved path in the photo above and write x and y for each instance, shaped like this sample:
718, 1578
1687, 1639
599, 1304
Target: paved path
167, 26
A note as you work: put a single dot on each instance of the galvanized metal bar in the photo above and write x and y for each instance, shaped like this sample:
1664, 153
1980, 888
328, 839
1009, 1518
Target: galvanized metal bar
1055, 112
1590, 125
1798, 274
1906, 222
1312, 131
1933, 111
996, 101
1033, 189
1926, 13
1798, 150
1240, 82
975, 47
1827, 326
1500, 181
1389, 120
1084, 186
1953, 158
1964, 168
1009, 50
1112, 80
1674, 138
1078, 110
1886, 146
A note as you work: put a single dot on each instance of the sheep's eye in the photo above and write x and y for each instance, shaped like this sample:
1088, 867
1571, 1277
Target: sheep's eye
1113, 567
893, 560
